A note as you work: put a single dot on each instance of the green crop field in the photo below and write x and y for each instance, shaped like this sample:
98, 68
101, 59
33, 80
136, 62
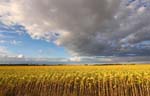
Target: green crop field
119, 80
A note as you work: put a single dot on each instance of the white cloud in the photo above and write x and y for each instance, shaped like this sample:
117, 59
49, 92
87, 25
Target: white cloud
40, 51
2, 36
3, 41
12, 42
3, 51
15, 42
20, 56
141, 10
20, 59
75, 59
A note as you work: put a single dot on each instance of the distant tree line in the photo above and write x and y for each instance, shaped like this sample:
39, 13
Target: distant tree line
61, 64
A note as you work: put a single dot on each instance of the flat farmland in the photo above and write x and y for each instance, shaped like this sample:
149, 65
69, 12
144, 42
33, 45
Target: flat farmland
110, 80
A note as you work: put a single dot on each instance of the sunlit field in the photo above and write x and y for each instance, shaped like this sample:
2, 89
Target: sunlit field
116, 80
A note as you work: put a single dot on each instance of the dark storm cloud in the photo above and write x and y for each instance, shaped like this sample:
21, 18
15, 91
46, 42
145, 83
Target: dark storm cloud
84, 27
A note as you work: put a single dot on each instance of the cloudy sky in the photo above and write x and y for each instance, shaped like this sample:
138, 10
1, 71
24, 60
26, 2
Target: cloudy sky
79, 30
